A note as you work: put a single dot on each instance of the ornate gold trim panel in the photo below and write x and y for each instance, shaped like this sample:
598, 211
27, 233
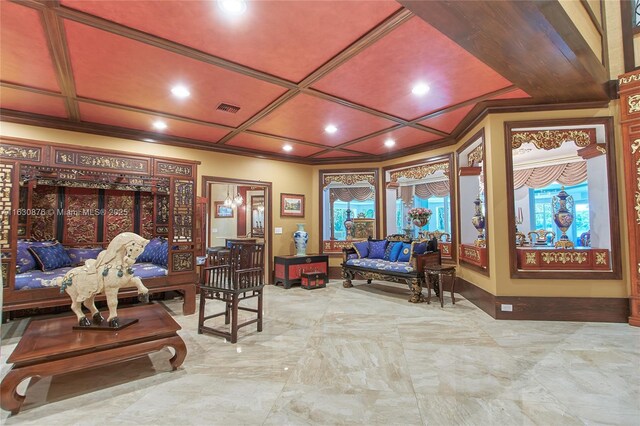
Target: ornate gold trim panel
552, 139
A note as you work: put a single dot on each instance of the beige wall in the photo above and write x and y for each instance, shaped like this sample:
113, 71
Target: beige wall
303, 179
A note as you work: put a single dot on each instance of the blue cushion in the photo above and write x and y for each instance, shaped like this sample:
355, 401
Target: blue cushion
79, 255
405, 253
50, 257
362, 248
377, 248
161, 255
382, 265
419, 247
148, 270
390, 247
39, 279
395, 252
149, 251
352, 256
25, 260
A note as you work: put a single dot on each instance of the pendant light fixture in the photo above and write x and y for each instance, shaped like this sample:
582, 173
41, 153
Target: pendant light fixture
237, 200
228, 202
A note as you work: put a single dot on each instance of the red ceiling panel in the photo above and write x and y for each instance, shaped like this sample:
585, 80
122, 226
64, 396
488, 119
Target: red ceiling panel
448, 121
289, 39
405, 137
305, 117
25, 57
266, 144
515, 94
112, 68
134, 120
22, 100
337, 154
383, 75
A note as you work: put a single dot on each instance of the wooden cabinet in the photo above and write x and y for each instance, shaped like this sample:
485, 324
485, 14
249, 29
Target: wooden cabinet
289, 268
364, 228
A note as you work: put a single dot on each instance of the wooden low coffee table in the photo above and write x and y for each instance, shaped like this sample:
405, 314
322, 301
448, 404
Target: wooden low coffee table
50, 347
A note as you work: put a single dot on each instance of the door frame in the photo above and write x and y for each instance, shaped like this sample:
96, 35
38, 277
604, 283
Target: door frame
268, 186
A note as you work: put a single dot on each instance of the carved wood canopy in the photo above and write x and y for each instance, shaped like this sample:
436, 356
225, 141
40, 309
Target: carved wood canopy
551, 139
420, 172
349, 178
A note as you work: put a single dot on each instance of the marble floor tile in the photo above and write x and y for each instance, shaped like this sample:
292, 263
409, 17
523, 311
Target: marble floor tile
362, 355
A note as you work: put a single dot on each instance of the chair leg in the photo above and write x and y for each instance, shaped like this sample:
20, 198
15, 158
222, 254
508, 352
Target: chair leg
428, 289
260, 311
453, 284
441, 287
234, 319
227, 311
201, 312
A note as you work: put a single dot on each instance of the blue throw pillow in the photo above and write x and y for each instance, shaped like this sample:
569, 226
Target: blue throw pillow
161, 255
390, 248
149, 251
419, 247
377, 248
395, 252
362, 248
25, 260
405, 253
51, 257
79, 255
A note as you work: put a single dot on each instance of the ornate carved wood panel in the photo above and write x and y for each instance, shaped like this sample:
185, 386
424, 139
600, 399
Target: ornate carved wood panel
146, 215
7, 249
118, 213
44, 202
630, 120
81, 215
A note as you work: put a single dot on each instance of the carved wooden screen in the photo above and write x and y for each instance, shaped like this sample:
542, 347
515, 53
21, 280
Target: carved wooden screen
8, 220
81, 215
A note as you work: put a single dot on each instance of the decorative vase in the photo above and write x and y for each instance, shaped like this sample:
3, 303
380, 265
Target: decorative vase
348, 225
562, 206
420, 221
300, 238
478, 222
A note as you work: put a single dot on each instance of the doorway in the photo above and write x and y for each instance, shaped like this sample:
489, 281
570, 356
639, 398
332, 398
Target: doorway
238, 209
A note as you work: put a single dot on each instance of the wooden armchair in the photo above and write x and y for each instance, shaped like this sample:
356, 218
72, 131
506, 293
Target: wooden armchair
237, 276
521, 239
539, 237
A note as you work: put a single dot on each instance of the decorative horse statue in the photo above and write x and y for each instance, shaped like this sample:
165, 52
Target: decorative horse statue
108, 273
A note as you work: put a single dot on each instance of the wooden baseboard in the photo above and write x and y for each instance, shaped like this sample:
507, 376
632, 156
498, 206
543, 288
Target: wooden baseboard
581, 309
476, 295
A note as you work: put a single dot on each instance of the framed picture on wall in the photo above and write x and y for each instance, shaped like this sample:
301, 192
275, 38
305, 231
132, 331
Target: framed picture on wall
221, 210
292, 205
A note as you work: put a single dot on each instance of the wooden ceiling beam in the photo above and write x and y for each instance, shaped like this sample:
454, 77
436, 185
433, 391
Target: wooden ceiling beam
534, 44
57, 44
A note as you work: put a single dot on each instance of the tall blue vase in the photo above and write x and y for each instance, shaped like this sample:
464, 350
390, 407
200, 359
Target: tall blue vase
300, 238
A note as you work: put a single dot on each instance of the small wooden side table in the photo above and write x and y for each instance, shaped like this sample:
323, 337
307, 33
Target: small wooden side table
50, 347
440, 271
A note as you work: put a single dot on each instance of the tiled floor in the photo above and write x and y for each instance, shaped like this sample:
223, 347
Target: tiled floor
359, 356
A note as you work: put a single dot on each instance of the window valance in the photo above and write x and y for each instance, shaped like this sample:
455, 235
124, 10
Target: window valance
539, 177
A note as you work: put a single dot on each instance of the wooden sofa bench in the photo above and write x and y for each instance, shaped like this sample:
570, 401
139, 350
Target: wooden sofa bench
410, 273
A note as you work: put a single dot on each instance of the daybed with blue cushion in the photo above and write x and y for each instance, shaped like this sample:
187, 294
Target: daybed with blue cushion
39, 263
392, 259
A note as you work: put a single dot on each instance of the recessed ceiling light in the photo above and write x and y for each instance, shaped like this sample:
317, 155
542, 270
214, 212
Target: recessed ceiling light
180, 91
233, 7
420, 89
389, 143
331, 128
287, 148
159, 125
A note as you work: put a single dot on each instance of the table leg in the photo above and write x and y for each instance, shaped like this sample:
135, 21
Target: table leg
441, 287
428, 277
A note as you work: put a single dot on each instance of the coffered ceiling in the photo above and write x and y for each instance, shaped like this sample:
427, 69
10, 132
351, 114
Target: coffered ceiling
290, 68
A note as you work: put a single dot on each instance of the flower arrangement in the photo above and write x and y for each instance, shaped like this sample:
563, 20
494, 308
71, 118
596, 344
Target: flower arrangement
419, 212
419, 216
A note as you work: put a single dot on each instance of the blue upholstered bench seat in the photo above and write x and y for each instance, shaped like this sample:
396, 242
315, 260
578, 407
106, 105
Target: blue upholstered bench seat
34, 278
382, 265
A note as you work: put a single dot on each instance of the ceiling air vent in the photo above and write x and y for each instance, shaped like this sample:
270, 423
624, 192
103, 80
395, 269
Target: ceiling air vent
228, 108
